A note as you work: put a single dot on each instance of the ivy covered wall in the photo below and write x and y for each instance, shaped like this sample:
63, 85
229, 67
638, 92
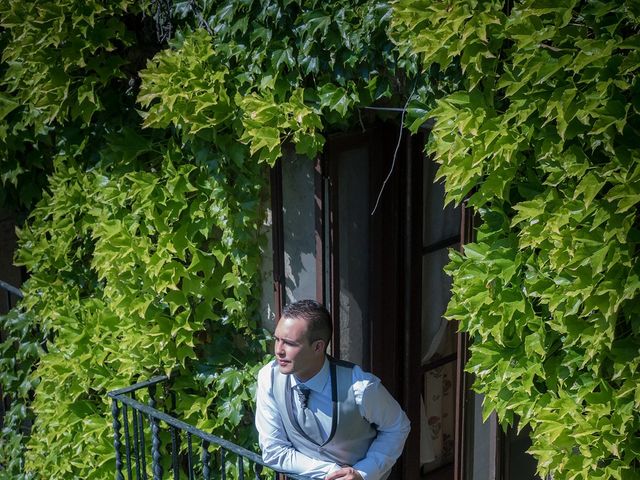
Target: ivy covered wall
543, 137
139, 136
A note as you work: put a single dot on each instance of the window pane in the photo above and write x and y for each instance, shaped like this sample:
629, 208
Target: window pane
353, 214
299, 226
483, 450
437, 425
438, 395
439, 222
436, 292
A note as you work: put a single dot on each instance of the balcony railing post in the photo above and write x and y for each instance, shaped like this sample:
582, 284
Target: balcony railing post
206, 469
127, 441
174, 454
257, 470
136, 439
223, 466
155, 437
240, 468
190, 455
175, 437
116, 439
143, 454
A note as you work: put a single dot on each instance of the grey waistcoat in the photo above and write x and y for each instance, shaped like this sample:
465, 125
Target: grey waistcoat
351, 434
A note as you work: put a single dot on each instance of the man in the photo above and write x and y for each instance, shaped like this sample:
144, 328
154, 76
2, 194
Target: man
320, 417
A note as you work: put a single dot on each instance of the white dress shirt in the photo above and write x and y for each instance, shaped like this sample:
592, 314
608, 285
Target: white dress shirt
376, 405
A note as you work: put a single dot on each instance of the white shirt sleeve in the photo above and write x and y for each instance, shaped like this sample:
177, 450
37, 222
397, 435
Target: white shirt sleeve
379, 408
277, 450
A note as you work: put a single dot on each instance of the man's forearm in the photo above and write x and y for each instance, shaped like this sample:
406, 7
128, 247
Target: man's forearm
289, 460
382, 454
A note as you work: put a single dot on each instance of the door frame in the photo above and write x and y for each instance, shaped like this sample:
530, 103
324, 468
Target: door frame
395, 280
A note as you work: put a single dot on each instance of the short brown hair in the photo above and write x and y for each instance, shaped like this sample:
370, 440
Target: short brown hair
317, 317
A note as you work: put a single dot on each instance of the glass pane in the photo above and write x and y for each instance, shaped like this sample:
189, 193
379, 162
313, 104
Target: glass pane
437, 425
483, 448
353, 225
520, 463
299, 226
439, 222
438, 395
436, 292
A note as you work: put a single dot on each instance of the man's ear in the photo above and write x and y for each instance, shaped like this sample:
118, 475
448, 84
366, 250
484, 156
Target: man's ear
319, 346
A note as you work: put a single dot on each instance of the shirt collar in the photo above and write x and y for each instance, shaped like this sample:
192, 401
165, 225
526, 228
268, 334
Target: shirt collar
318, 381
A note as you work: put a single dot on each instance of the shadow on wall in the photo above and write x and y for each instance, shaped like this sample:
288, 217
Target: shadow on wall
298, 189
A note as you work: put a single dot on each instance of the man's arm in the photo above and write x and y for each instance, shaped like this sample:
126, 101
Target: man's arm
277, 451
379, 408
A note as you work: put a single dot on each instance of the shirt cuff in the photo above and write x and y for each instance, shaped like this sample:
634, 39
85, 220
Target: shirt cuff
362, 474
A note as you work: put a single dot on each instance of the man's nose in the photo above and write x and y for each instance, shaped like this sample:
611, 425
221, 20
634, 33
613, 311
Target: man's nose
279, 349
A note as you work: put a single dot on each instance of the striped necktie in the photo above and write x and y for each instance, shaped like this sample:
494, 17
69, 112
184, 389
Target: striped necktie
306, 419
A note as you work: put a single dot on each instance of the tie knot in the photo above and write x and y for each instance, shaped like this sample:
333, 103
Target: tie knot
303, 395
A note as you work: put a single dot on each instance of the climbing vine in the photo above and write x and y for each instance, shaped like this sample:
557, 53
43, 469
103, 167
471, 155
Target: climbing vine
144, 273
273, 72
154, 127
542, 137
145, 128
19, 353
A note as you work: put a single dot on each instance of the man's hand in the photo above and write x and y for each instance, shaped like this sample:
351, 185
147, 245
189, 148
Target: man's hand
345, 473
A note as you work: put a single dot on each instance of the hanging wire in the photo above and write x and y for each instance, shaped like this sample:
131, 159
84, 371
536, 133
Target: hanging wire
395, 153
361, 122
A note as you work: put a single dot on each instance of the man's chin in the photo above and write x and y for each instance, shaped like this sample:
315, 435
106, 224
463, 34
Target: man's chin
285, 369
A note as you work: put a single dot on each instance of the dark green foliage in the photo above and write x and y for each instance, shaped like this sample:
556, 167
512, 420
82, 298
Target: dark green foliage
144, 248
65, 67
19, 353
142, 253
134, 269
268, 72
543, 136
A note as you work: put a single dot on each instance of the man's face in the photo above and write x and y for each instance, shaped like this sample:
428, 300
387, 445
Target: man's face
294, 352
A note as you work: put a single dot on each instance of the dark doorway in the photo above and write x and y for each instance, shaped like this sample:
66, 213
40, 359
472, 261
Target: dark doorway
366, 230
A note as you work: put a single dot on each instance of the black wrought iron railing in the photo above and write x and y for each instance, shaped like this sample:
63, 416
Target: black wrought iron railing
10, 296
150, 443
